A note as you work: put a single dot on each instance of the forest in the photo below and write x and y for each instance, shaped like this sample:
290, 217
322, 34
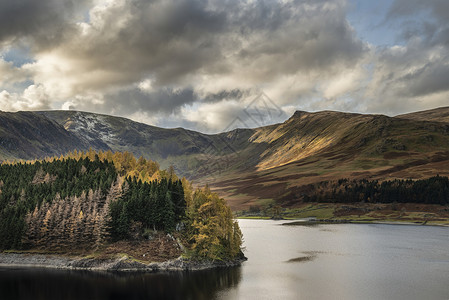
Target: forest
434, 190
87, 200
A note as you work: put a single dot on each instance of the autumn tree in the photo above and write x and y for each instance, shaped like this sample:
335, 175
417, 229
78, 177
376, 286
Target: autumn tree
213, 234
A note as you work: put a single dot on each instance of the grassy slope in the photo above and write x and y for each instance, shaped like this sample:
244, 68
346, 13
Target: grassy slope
440, 114
362, 212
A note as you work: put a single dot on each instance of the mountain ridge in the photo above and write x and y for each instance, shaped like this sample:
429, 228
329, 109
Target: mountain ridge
26, 135
440, 114
255, 165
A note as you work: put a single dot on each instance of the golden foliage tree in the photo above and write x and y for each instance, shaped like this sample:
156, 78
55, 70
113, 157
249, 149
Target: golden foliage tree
213, 234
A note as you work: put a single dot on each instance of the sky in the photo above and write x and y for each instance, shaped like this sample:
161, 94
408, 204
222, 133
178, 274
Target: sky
216, 65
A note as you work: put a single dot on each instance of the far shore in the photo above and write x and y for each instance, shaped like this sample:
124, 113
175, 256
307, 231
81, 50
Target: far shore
120, 264
307, 222
362, 213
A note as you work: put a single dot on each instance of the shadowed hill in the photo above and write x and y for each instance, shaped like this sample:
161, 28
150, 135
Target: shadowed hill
27, 135
192, 153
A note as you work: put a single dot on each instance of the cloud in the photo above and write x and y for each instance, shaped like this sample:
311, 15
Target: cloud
199, 63
9, 74
409, 77
426, 20
414, 75
33, 98
162, 56
233, 94
44, 21
174, 41
439, 8
431, 78
164, 100
180, 42
135, 101
126, 40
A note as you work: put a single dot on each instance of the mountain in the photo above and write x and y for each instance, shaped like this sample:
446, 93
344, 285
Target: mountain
189, 151
27, 135
435, 115
253, 166
323, 146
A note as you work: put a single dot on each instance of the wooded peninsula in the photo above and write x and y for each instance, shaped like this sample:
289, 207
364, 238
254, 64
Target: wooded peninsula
102, 203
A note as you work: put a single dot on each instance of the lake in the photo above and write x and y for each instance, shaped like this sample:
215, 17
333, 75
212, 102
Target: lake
343, 261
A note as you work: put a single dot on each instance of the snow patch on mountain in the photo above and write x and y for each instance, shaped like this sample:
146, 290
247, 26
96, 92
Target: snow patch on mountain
93, 127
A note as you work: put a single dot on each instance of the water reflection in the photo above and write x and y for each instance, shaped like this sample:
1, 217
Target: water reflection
51, 284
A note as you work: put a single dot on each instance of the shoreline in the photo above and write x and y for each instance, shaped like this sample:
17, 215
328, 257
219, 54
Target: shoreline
300, 222
306, 222
122, 264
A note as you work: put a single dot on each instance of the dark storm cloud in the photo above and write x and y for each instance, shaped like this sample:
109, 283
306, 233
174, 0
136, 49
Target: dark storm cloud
164, 38
174, 41
234, 94
164, 100
44, 21
188, 52
295, 39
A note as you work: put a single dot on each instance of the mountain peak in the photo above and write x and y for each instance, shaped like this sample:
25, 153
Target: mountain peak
324, 113
299, 113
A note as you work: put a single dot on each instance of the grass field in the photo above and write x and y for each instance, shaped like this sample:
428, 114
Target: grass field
402, 213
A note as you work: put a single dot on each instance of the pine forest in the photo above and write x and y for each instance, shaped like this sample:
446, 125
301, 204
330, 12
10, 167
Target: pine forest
88, 200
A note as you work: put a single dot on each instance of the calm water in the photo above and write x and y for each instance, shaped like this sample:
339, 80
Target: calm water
321, 262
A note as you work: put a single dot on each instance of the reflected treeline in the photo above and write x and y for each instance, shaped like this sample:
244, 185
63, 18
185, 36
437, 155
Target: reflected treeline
50, 284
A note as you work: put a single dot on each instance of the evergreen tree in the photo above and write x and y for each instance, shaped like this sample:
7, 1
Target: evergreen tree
84, 200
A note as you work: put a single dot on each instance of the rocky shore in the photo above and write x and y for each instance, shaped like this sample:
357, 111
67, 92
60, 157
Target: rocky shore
122, 264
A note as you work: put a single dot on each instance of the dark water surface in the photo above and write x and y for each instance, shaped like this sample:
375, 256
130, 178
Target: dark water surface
342, 261
47, 284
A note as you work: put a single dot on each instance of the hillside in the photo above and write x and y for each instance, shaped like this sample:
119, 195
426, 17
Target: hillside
435, 115
267, 164
314, 147
188, 151
28, 135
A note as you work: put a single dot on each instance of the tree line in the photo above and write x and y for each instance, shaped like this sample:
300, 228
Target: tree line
433, 190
